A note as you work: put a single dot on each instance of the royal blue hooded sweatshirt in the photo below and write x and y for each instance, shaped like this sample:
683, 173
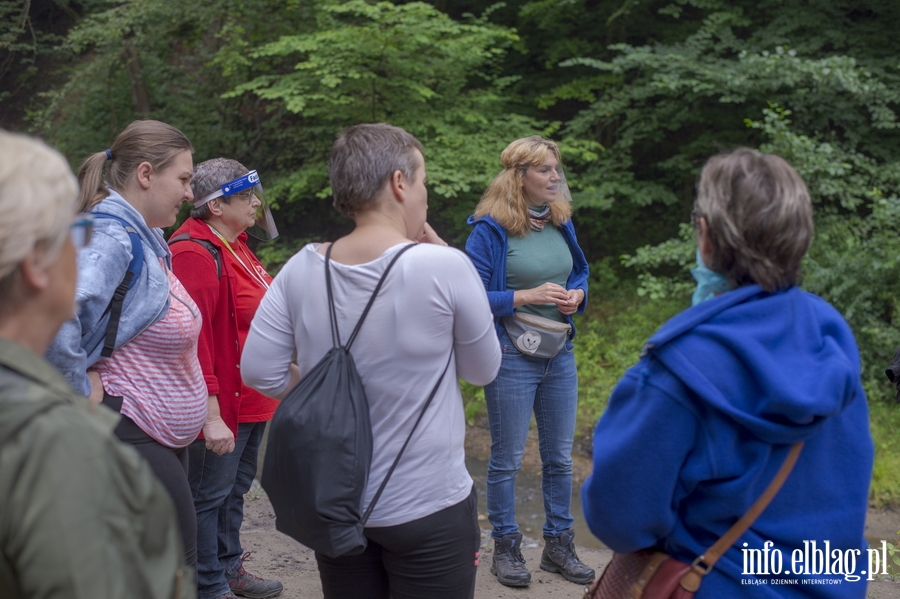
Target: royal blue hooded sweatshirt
696, 430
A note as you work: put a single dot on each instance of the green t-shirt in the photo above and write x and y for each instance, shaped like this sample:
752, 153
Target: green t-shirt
539, 257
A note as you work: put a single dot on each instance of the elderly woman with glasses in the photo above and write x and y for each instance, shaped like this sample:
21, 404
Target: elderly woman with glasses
211, 256
697, 429
83, 514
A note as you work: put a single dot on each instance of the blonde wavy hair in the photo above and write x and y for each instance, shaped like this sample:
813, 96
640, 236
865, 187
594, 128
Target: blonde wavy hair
504, 199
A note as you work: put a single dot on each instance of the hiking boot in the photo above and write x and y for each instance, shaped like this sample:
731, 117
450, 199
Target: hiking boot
244, 584
559, 556
508, 565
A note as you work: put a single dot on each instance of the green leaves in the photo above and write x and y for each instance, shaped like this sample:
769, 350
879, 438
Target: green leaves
381, 62
410, 65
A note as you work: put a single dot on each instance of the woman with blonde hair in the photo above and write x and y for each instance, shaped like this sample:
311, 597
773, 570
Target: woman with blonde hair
133, 341
524, 248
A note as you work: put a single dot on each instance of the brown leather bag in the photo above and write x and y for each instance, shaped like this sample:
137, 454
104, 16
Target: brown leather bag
650, 574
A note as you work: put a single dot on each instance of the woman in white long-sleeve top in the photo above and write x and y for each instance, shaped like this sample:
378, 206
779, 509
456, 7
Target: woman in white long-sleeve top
423, 532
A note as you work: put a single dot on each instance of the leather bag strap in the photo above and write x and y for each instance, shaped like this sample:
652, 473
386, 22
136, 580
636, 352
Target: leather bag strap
704, 563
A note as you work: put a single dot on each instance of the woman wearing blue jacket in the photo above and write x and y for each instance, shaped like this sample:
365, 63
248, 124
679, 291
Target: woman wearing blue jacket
524, 248
697, 429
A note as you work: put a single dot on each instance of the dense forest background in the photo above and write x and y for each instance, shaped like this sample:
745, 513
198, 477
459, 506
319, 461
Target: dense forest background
639, 93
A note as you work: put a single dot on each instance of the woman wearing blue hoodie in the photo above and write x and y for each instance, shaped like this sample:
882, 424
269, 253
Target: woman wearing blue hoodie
696, 430
133, 342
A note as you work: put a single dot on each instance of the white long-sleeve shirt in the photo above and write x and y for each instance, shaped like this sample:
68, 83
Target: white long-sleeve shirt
431, 302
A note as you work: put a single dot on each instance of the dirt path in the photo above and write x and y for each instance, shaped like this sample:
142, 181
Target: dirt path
278, 556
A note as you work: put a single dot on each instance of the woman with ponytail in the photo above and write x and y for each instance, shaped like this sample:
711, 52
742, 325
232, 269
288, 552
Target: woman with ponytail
133, 342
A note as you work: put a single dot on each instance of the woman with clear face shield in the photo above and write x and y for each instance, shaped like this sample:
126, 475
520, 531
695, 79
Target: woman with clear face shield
524, 247
226, 280
133, 342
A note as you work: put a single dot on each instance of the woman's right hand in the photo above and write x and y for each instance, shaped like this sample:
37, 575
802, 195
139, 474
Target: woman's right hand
218, 436
548, 293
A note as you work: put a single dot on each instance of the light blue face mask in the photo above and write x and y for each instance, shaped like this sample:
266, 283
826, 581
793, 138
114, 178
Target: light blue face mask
709, 283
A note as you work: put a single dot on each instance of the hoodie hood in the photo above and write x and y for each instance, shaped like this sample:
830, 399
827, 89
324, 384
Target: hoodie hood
778, 364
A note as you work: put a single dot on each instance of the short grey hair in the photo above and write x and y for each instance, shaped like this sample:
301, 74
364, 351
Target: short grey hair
759, 217
363, 160
209, 176
38, 195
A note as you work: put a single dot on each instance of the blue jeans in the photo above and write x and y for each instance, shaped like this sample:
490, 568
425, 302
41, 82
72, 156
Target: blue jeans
218, 484
549, 388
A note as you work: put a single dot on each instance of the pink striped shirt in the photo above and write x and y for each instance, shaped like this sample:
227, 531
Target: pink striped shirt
158, 375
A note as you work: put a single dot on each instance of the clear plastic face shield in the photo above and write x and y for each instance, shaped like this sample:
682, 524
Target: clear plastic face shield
248, 189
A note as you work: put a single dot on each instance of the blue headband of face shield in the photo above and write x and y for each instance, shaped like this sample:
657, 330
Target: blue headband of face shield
264, 229
248, 181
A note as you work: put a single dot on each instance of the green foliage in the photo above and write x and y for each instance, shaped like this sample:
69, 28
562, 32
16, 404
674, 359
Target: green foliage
409, 65
885, 419
31, 33
610, 338
473, 401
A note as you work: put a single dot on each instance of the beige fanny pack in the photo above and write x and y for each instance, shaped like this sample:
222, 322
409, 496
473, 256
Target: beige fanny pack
535, 335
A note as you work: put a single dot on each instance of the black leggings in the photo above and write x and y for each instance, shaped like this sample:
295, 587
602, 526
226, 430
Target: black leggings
170, 466
435, 557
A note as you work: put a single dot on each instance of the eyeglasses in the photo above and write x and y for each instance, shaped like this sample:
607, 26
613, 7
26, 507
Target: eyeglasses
244, 195
81, 229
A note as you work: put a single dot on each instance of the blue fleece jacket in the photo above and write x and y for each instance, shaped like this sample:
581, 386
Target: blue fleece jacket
487, 247
697, 429
101, 268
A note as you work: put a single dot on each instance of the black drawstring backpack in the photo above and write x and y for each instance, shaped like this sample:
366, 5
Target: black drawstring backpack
320, 447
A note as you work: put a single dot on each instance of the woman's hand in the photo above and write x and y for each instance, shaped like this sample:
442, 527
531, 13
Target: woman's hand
96, 395
218, 436
548, 293
574, 299
216, 433
429, 236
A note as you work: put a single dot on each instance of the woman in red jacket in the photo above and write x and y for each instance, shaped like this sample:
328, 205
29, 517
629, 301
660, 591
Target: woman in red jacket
227, 282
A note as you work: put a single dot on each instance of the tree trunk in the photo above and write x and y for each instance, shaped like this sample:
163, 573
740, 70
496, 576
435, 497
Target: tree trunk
136, 74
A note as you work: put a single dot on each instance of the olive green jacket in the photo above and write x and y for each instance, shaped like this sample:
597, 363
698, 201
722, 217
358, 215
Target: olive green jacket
81, 514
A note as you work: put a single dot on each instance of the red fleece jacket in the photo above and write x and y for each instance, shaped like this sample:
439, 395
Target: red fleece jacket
219, 348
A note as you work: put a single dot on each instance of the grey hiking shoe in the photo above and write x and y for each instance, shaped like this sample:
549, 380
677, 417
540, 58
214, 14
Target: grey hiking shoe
244, 584
559, 556
508, 565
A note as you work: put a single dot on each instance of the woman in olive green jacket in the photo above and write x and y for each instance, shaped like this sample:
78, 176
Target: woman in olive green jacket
82, 515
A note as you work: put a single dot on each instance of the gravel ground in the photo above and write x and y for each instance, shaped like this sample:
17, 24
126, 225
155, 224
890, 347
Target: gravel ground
277, 556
